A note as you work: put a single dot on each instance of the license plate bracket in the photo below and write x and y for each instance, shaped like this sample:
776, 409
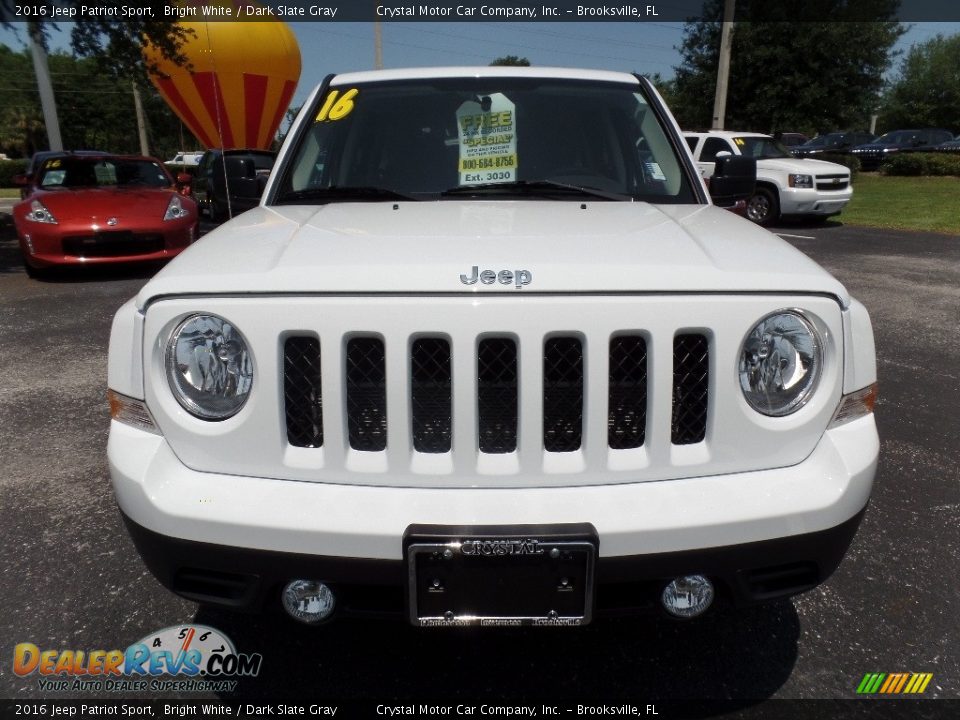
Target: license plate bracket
500, 576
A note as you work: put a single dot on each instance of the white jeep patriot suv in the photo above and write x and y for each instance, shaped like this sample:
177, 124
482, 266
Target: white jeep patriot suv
487, 354
786, 185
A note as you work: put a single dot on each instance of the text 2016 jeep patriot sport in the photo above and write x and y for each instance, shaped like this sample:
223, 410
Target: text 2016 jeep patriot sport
487, 354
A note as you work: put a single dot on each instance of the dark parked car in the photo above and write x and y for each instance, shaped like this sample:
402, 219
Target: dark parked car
952, 146
838, 143
240, 175
790, 139
874, 153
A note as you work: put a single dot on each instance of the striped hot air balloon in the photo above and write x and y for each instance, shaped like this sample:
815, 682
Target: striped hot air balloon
241, 79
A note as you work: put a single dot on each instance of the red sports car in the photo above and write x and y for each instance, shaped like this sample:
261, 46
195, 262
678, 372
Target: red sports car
84, 210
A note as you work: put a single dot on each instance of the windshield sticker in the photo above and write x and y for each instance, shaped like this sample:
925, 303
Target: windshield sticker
337, 106
52, 164
654, 171
740, 142
488, 140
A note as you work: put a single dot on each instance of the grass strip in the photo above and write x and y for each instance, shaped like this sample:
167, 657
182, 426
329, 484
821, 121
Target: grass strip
930, 204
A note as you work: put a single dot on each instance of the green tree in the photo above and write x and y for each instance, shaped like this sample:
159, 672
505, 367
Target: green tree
666, 88
926, 92
800, 67
512, 60
115, 43
96, 109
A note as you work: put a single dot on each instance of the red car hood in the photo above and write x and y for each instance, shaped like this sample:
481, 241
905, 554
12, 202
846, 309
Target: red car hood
103, 203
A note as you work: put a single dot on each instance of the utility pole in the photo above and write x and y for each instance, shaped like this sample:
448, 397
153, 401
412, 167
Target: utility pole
723, 69
141, 121
45, 87
377, 46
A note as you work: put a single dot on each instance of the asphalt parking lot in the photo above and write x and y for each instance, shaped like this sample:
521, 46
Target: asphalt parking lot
70, 578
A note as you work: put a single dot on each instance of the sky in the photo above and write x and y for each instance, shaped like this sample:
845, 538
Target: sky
644, 47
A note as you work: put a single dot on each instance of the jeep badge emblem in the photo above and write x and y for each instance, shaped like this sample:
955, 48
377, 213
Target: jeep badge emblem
504, 277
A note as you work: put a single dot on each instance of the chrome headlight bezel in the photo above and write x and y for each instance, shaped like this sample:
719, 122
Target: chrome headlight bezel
232, 363
175, 209
39, 213
764, 402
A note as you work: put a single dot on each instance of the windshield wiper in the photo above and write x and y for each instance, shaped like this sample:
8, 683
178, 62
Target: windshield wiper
533, 187
334, 192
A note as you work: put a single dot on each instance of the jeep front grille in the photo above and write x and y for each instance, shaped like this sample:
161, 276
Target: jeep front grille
431, 385
431, 402
627, 404
562, 394
366, 394
691, 375
302, 394
494, 390
497, 395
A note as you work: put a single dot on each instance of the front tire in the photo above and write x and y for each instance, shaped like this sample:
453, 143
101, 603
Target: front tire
34, 273
764, 207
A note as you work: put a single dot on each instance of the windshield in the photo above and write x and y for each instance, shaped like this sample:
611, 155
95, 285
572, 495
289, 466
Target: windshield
761, 148
828, 140
76, 172
899, 137
460, 137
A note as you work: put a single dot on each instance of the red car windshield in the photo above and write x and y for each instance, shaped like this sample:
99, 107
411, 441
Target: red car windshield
77, 172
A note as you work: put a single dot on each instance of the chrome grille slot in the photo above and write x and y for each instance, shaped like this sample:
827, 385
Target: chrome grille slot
691, 376
497, 395
562, 394
366, 394
430, 395
627, 394
302, 394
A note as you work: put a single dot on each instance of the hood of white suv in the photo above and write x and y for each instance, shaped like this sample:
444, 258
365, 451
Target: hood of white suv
425, 247
806, 166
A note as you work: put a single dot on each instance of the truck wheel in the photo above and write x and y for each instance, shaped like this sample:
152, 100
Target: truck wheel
764, 207
217, 214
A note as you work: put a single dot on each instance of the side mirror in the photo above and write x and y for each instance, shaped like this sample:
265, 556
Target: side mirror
184, 183
21, 180
734, 179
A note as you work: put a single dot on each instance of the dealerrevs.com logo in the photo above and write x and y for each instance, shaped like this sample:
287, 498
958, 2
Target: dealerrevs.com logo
185, 658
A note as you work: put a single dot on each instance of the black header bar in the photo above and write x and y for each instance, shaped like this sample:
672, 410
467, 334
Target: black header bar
452, 11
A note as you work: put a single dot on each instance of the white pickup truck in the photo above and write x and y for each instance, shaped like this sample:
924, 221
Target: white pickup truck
486, 353
786, 185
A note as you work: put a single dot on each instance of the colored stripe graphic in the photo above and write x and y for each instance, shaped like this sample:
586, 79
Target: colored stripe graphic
894, 683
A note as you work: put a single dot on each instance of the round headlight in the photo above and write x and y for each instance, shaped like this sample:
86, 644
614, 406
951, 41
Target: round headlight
780, 363
209, 367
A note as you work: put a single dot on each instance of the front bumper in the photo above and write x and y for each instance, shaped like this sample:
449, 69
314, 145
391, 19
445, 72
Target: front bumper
78, 243
235, 540
803, 201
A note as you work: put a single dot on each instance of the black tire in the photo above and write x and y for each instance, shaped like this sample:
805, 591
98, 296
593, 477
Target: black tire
35, 273
764, 207
217, 213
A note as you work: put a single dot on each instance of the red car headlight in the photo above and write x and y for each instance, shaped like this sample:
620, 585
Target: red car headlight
175, 209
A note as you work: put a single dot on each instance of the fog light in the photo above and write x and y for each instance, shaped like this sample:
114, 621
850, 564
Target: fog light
687, 596
308, 601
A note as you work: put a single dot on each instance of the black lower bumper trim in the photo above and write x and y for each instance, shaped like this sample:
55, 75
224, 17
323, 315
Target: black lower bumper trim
251, 580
